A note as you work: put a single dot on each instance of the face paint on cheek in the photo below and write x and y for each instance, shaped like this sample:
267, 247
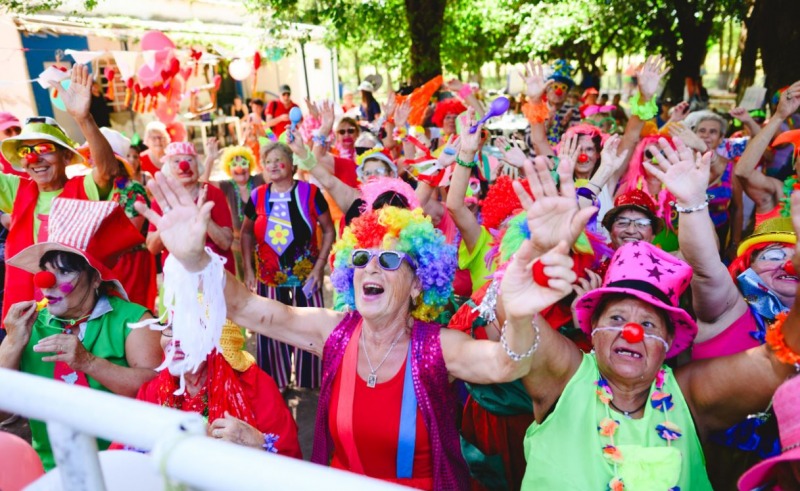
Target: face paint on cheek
66, 288
282, 166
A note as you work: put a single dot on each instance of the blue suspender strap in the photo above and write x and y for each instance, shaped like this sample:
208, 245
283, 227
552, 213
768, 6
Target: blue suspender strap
408, 425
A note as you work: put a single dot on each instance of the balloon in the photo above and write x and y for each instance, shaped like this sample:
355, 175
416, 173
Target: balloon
257, 60
20, 464
56, 98
156, 40
186, 72
177, 132
240, 69
123, 470
149, 76
499, 106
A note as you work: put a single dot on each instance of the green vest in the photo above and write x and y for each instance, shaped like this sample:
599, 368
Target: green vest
565, 451
105, 338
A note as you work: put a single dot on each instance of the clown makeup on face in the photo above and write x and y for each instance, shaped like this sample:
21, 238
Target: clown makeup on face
184, 168
240, 169
770, 265
277, 165
178, 366
557, 93
630, 360
44, 161
72, 294
347, 133
587, 157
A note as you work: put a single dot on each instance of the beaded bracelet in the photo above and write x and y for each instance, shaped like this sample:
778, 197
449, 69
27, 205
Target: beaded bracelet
646, 111
320, 140
517, 356
468, 165
777, 342
691, 209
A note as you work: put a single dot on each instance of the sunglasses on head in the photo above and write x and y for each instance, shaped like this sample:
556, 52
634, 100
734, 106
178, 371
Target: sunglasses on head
388, 260
347, 131
38, 149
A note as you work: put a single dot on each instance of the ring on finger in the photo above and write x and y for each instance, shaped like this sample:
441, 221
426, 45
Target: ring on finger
167, 209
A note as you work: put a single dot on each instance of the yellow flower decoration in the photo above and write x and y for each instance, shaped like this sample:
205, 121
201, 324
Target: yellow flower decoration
280, 278
278, 235
302, 269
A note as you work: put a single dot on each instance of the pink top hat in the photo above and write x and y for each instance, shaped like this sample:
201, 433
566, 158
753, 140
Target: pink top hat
644, 271
786, 403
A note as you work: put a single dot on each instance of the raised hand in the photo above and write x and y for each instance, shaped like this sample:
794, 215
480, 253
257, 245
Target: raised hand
789, 101
446, 159
183, 225
78, 97
401, 113
535, 81
796, 226
741, 114
295, 142
683, 171
327, 116
650, 76
610, 160
19, 322
391, 103
553, 215
512, 153
687, 136
524, 297
568, 151
470, 142
679, 112
212, 149
313, 111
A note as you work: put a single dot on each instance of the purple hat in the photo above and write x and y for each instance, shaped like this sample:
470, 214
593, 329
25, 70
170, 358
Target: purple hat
785, 402
644, 271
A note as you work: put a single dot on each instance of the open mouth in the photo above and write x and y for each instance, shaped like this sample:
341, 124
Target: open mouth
628, 352
39, 169
372, 289
788, 277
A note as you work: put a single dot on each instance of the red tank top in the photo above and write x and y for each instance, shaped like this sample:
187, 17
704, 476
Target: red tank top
376, 423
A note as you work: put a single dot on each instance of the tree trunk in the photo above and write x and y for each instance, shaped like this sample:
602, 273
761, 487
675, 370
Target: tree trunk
425, 20
779, 42
749, 45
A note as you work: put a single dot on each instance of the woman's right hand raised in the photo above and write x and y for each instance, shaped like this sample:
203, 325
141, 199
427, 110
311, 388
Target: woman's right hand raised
683, 171
535, 83
183, 224
19, 322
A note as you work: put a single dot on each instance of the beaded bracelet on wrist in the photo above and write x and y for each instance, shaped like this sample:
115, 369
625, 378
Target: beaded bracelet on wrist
516, 356
468, 165
690, 209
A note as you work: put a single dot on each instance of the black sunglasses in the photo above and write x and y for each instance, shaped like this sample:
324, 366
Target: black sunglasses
349, 131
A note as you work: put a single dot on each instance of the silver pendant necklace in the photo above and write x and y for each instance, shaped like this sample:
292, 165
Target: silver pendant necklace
372, 378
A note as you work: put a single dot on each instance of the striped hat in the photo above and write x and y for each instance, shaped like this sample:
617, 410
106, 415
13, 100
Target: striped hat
99, 231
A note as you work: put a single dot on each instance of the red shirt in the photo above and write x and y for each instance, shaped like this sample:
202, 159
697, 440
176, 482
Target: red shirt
376, 425
345, 170
147, 164
220, 214
275, 109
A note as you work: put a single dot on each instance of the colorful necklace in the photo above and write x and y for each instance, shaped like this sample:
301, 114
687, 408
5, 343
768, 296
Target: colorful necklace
607, 427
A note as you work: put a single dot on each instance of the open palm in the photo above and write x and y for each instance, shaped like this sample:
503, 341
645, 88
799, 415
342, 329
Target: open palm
553, 215
535, 81
183, 225
78, 96
684, 172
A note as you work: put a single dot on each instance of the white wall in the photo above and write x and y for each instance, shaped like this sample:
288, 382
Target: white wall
16, 95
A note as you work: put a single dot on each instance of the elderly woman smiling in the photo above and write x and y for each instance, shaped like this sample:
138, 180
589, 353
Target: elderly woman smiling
385, 408
618, 418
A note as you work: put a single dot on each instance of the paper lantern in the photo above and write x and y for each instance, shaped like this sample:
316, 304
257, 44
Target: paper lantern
240, 69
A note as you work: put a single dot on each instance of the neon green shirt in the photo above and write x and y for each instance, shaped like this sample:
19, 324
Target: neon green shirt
475, 261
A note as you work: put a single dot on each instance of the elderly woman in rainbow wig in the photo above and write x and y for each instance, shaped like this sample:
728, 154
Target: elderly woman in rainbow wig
618, 418
385, 405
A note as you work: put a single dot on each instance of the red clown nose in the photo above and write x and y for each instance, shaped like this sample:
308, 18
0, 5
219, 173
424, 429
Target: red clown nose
559, 92
44, 279
185, 166
539, 275
789, 268
583, 158
633, 332
32, 158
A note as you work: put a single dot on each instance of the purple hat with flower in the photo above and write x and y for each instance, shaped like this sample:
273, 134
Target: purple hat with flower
644, 271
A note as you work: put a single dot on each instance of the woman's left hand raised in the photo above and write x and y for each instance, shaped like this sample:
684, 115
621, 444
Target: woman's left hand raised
183, 225
521, 295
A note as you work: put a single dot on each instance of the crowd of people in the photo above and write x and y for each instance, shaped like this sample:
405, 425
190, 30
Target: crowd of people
605, 302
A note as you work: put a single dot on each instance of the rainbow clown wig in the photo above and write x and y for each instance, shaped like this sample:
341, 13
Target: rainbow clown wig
240, 152
408, 231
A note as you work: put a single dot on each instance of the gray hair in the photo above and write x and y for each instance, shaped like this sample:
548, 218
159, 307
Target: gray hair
281, 147
700, 116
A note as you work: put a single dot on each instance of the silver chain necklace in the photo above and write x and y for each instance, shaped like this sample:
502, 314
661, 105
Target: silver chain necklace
372, 379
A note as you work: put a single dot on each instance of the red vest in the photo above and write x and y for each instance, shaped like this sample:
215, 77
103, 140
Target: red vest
19, 283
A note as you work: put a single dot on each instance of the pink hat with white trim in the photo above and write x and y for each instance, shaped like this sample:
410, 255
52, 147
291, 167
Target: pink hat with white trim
786, 403
179, 148
8, 120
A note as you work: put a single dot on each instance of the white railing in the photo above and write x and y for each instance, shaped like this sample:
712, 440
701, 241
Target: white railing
176, 440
